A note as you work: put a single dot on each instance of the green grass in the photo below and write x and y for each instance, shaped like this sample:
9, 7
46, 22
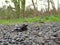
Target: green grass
55, 18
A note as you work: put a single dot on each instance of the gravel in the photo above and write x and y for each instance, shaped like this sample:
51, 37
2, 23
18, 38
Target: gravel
37, 34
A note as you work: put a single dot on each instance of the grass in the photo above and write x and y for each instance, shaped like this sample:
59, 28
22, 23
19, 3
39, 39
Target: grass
51, 18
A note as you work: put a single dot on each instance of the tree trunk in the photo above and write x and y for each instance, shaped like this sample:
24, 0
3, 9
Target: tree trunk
17, 7
23, 6
48, 5
33, 4
53, 5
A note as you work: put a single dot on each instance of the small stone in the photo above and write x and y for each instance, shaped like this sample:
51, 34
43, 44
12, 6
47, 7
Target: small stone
5, 43
13, 42
17, 39
34, 32
41, 34
0, 41
26, 36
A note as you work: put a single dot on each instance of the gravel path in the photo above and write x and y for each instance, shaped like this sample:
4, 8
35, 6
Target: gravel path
37, 34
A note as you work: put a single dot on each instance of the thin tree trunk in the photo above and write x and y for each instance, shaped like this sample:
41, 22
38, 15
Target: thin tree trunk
33, 4
23, 6
53, 5
58, 5
17, 7
48, 5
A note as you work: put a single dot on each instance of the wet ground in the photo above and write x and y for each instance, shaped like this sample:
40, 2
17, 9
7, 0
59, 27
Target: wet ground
36, 34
